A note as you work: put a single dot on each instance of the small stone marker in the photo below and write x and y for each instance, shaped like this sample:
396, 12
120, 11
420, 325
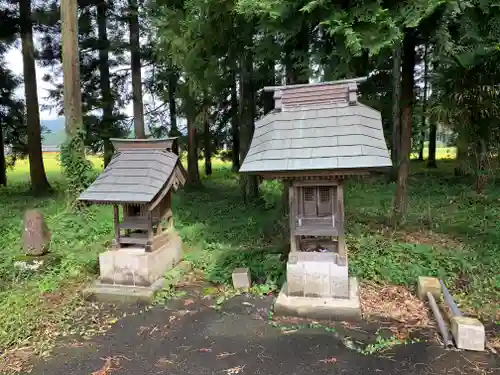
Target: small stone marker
428, 284
36, 234
468, 333
241, 278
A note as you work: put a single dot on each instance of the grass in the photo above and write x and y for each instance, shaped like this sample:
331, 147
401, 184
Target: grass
449, 232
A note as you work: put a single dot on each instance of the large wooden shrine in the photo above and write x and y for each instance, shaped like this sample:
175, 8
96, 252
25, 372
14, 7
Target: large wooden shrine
317, 136
138, 183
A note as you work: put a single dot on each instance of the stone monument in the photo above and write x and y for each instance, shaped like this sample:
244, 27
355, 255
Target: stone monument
36, 234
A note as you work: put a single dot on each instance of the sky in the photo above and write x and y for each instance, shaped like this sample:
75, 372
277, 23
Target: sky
15, 63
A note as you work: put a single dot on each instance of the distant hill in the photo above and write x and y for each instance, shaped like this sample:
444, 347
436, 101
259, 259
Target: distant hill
53, 132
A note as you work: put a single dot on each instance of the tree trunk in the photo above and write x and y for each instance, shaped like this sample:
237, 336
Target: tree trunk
172, 107
462, 153
248, 183
329, 68
297, 56
297, 71
3, 164
396, 108
481, 165
424, 103
74, 165
235, 126
193, 170
407, 98
269, 80
107, 96
207, 145
135, 60
431, 161
71, 69
39, 182
421, 147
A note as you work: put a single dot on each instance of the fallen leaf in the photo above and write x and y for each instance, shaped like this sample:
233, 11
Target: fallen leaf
142, 329
76, 344
163, 362
109, 362
329, 360
188, 302
234, 370
105, 369
224, 355
204, 350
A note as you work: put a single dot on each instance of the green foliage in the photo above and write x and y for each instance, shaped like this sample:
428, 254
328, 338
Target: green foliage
12, 125
264, 266
26, 311
77, 170
384, 260
380, 345
227, 234
450, 232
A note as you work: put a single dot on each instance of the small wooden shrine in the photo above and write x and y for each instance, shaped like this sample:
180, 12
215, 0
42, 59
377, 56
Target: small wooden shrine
317, 135
139, 179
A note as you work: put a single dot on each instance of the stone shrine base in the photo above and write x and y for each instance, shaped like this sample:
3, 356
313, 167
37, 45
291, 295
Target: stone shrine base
126, 294
136, 267
320, 308
134, 275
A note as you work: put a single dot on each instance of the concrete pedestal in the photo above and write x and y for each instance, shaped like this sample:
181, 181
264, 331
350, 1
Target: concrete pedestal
132, 274
318, 287
313, 274
136, 267
320, 308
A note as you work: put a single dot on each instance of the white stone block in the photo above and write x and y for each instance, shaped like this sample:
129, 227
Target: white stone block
314, 274
241, 278
320, 308
136, 267
468, 333
428, 284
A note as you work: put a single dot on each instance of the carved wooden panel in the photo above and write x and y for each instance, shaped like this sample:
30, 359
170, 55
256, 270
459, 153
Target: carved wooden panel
325, 201
309, 199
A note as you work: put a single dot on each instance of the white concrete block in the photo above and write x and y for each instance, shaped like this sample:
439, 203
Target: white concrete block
241, 278
136, 267
468, 333
314, 274
320, 308
428, 284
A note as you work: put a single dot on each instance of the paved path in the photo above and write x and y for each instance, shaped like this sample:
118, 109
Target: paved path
189, 337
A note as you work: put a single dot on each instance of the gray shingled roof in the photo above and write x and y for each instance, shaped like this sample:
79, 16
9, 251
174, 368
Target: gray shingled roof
325, 136
133, 175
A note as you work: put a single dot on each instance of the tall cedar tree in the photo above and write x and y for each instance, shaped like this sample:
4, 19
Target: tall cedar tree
107, 96
248, 183
407, 99
39, 182
424, 102
396, 108
191, 114
71, 69
135, 59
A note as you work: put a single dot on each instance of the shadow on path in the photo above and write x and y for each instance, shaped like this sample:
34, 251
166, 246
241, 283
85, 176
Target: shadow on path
191, 337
